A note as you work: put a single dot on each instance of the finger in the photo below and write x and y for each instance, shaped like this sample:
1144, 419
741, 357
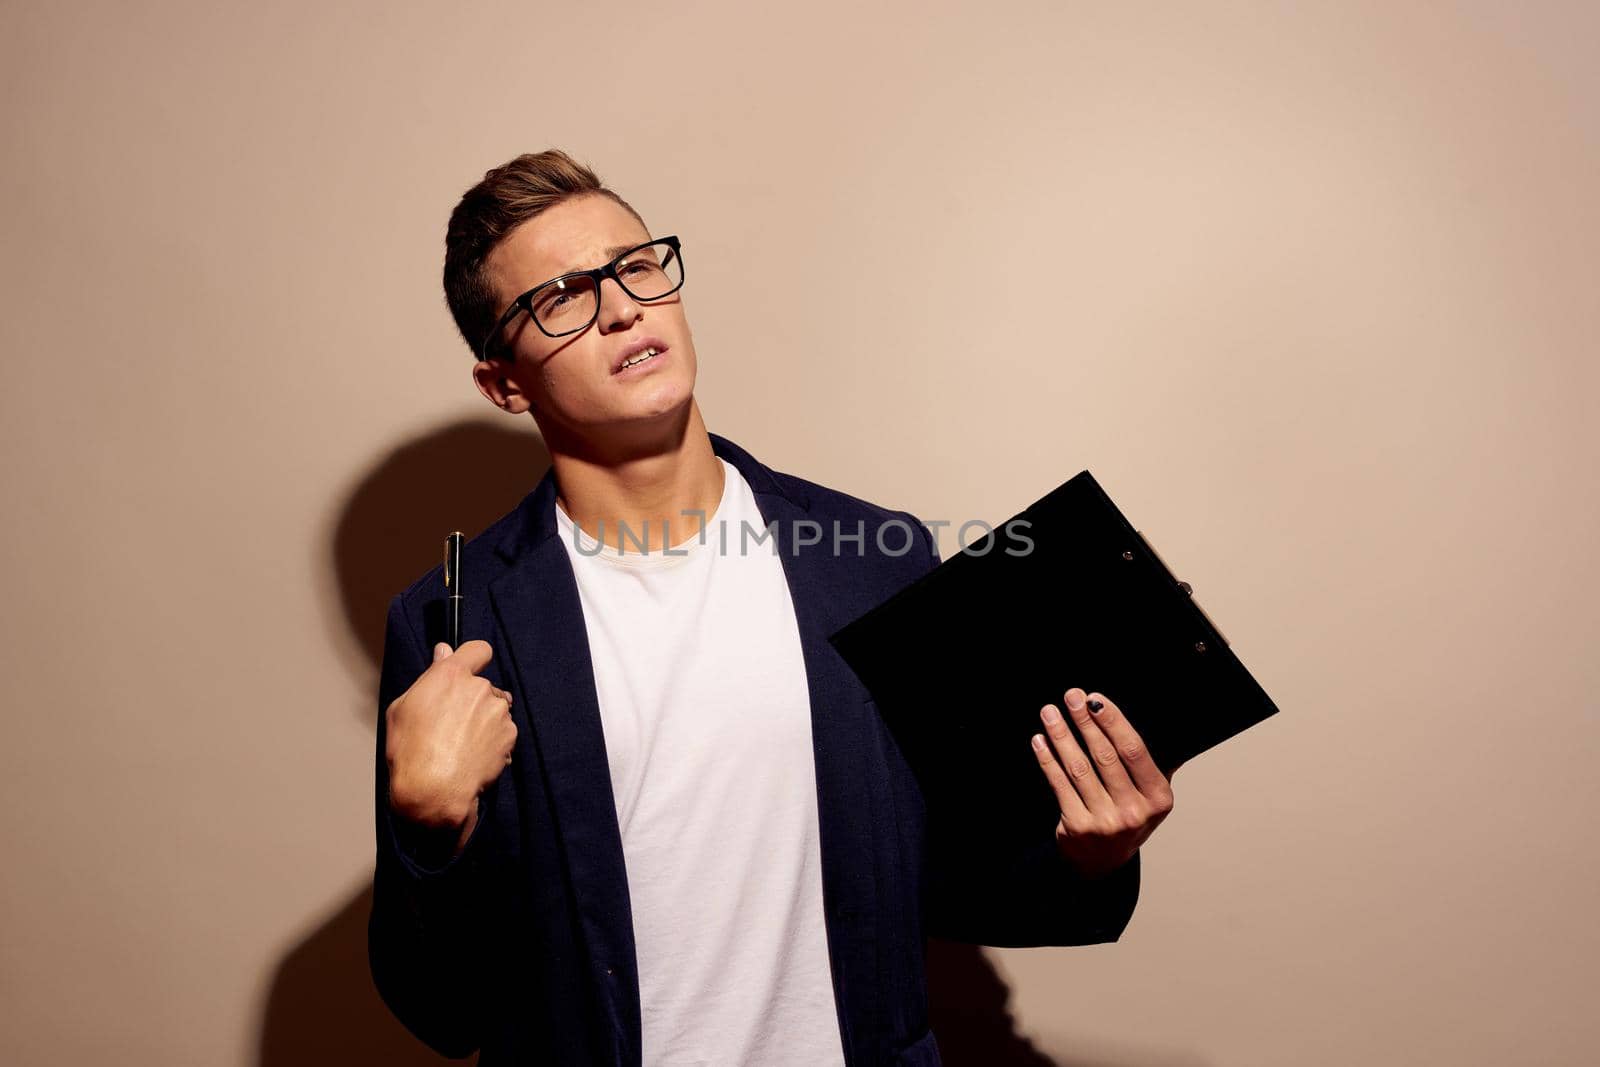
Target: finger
1117, 747
1080, 771
1102, 752
474, 655
501, 693
1072, 806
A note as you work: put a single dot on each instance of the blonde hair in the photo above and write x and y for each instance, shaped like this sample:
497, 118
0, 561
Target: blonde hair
508, 196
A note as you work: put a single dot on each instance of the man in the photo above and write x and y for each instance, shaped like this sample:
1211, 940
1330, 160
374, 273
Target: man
645, 813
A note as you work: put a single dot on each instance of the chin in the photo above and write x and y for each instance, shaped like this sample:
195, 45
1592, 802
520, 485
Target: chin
663, 399
668, 389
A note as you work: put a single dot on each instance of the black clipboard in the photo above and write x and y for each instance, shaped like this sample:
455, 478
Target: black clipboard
1066, 593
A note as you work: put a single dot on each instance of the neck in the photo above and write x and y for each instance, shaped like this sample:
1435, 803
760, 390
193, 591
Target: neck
646, 483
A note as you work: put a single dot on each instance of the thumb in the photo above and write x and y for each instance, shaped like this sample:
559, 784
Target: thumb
441, 651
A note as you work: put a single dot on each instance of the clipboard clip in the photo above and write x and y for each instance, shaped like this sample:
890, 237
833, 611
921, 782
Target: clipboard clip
1188, 590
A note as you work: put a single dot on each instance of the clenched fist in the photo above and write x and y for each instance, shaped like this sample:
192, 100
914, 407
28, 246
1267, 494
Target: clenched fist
450, 737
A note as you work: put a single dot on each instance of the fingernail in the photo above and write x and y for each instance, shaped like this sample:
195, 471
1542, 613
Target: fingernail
1051, 715
1038, 743
1094, 706
1074, 701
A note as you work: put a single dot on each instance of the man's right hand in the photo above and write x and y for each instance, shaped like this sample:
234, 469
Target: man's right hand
449, 737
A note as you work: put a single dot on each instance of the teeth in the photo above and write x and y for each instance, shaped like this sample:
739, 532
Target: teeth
640, 358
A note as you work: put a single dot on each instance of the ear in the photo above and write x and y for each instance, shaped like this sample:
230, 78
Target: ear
494, 380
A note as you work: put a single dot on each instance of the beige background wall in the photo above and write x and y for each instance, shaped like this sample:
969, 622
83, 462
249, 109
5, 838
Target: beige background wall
1310, 288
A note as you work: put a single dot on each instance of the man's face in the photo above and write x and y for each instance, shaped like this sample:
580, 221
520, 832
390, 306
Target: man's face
573, 382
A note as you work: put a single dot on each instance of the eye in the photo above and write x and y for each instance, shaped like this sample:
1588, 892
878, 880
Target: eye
555, 298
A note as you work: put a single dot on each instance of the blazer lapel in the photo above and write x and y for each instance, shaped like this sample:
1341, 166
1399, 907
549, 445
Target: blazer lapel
537, 605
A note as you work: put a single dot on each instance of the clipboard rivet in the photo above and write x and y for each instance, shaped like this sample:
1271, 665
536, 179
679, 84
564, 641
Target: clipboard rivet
1126, 554
1199, 646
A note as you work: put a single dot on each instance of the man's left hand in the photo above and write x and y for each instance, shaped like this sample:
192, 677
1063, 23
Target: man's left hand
1113, 798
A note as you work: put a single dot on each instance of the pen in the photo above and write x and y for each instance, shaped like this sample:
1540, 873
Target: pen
452, 589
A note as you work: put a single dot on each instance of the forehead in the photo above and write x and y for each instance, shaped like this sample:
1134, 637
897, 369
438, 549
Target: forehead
576, 234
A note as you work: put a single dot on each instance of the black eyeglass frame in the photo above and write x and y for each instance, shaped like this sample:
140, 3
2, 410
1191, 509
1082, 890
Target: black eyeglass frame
599, 274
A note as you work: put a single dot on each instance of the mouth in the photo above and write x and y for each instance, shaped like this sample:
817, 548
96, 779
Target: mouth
636, 355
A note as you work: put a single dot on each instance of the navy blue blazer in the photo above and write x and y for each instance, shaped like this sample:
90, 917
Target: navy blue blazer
522, 945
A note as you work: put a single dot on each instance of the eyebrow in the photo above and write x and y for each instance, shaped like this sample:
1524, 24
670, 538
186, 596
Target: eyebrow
610, 253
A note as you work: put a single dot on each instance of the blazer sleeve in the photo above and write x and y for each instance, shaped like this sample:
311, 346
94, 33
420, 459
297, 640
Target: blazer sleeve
1031, 898
426, 936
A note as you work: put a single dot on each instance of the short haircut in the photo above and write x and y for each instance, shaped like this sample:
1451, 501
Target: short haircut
508, 196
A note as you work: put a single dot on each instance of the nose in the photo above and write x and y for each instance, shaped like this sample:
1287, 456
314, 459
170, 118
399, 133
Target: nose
618, 310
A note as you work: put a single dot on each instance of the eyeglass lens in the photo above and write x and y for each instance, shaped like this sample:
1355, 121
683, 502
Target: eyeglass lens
647, 274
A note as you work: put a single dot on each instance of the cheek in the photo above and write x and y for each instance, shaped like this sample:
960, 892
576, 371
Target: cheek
684, 368
558, 387
563, 372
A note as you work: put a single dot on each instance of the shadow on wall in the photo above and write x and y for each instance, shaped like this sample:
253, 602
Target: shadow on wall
322, 1008
391, 532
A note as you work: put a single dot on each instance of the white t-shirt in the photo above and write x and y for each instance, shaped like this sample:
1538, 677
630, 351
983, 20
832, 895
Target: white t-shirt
707, 721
